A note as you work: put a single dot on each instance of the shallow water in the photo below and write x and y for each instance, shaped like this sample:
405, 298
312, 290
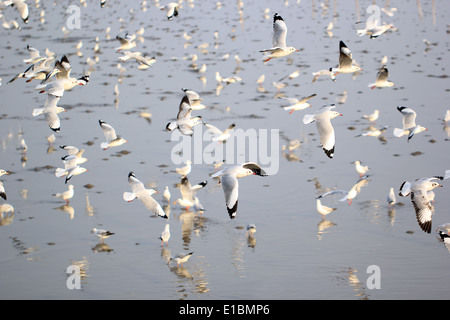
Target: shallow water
294, 254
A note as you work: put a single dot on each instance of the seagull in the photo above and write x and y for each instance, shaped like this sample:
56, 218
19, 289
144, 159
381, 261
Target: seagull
102, 234
184, 121
279, 48
444, 234
50, 111
71, 168
322, 209
21, 6
126, 42
127, 55
322, 118
165, 235
2, 188
184, 171
34, 55
112, 140
251, 230
373, 116
66, 195
38, 70
171, 9
166, 194
373, 132
11, 24
374, 31
58, 86
71, 150
409, 123
324, 72
181, 258
391, 199
296, 104
382, 79
362, 170
345, 61
188, 193
420, 199
192, 95
144, 195
229, 180
219, 135
102, 3
352, 193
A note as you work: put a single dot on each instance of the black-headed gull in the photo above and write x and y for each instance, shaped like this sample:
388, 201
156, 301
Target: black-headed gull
2, 188
171, 9
102, 234
66, 195
34, 55
165, 235
219, 135
351, 194
373, 116
382, 79
192, 95
420, 198
374, 31
409, 123
391, 199
102, 3
112, 139
58, 86
50, 110
71, 168
323, 117
443, 231
362, 170
166, 194
127, 55
345, 61
294, 104
126, 42
279, 48
184, 122
72, 150
184, 171
251, 230
144, 195
21, 6
188, 192
181, 258
323, 209
229, 180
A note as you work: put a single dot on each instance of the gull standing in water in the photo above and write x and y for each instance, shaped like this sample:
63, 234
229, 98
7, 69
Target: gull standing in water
112, 140
362, 170
188, 193
419, 191
297, 104
345, 61
184, 171
102, 234
66, 195
322, 209
409, 123
279, 48
229, 180
391, 199
323, 117
382, 79
373, 116
181, 258
165, 235
139, 191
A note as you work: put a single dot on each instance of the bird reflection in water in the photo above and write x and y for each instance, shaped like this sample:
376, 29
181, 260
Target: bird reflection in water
349, 277
67, 209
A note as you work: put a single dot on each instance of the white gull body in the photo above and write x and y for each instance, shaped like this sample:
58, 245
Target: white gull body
229, 180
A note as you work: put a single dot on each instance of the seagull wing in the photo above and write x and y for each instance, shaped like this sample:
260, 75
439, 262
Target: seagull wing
279, 32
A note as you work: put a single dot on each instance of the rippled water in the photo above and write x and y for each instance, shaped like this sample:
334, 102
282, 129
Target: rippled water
294, 254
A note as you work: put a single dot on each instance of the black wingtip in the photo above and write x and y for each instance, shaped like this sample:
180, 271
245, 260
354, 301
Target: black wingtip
3, 195
329, 153
277, 17
232, 211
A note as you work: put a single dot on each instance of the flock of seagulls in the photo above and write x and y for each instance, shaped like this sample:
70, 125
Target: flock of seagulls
55, 79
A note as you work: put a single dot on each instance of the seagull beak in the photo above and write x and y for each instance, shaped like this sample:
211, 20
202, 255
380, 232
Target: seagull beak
341, 114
